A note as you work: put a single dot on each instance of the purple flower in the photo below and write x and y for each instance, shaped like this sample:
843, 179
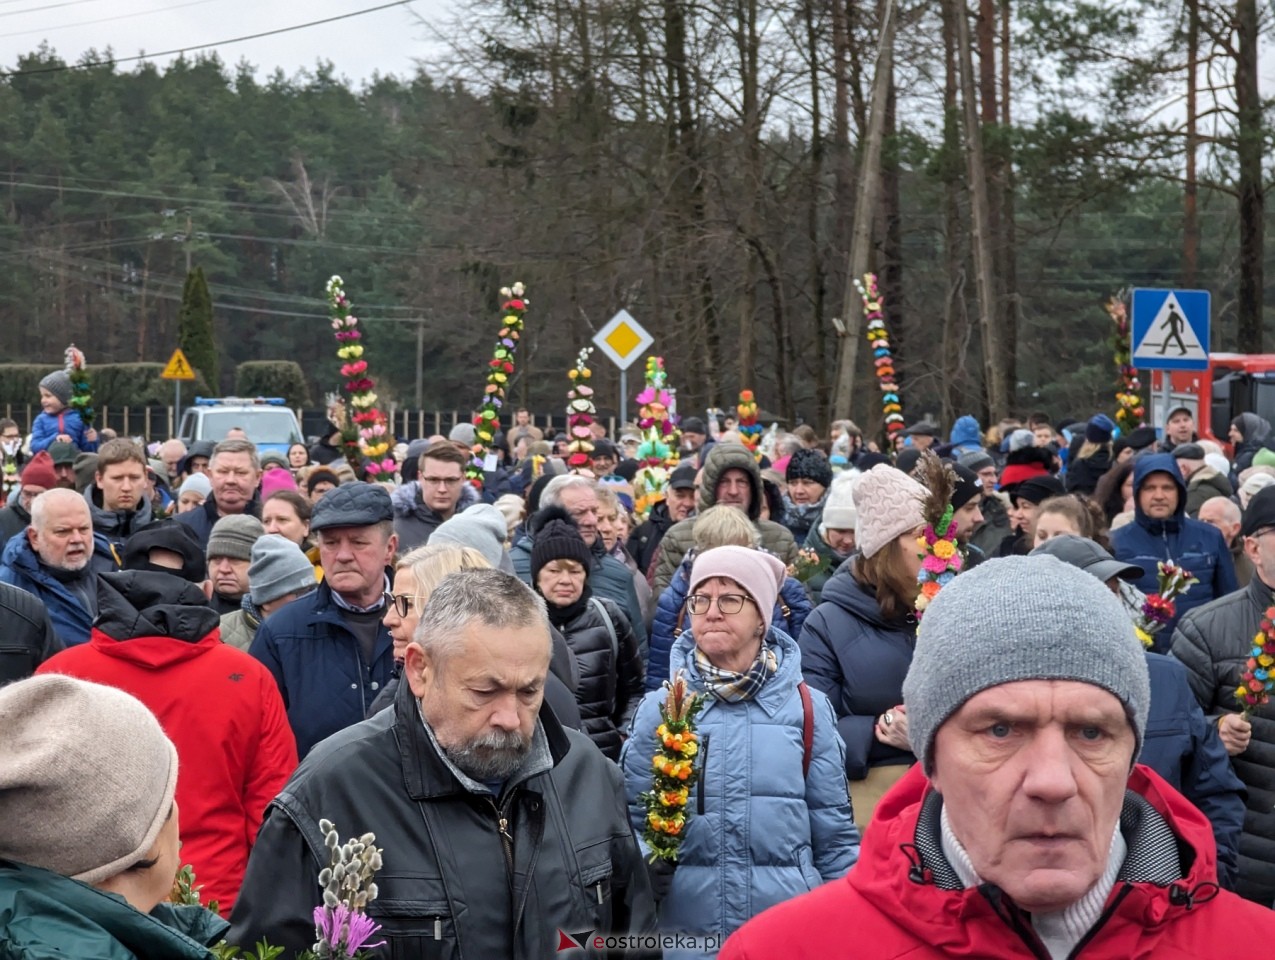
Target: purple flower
362, 929
329, 922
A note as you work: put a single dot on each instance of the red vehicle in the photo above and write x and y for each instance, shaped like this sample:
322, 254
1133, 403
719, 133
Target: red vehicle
1235, 383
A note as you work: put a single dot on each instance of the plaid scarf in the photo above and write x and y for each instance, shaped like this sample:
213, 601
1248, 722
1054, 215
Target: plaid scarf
731, 687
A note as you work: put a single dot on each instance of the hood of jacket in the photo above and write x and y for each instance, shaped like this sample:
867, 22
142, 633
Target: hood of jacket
966, 431
731, 456
121, 523
773, 692
856, 599
1252, 428
902, 871
150, 611
408, 503
1143, 467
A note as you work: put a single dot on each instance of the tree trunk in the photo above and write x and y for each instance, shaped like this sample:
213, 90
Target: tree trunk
843, 182
1191, 219
748, 43
955, 318
1252, 202
980, 215
814, 206
865, 210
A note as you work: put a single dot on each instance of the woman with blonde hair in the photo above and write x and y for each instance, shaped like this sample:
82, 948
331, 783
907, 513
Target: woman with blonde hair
613, 528
857, 645
718, 526
1091, 456
416, 575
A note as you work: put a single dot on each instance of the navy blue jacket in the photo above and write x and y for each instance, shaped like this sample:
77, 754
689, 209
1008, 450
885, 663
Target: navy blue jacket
1191, 544
21, 567
203, 519
318, 663
791, 610
1184, 748
858, 659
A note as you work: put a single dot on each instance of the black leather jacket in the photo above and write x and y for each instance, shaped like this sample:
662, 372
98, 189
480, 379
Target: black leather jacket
451, 887
26, 635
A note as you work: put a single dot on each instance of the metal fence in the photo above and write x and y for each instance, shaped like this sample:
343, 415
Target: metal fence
160, 423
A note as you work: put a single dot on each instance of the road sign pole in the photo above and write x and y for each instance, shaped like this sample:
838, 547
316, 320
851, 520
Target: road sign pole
1166, 398
177, 402
624, 397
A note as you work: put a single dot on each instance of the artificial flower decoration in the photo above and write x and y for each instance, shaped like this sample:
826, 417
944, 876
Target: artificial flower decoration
365, 436
882, 360
1159, 608
941, 556
81, 389
657, 453
749, 429
500, 368
580, 413
1130, 410
1258, 678
674, 770
806, 565
341, 925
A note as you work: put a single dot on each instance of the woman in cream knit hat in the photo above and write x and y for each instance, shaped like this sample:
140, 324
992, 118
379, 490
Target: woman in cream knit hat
857, 644
89, 843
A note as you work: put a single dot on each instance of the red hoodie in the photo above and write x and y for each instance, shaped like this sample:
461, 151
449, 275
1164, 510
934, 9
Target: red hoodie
219, 706
889, 907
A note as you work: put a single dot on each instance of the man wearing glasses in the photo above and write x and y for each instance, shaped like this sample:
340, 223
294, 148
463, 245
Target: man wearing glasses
330, 652
439, 493
1215, 642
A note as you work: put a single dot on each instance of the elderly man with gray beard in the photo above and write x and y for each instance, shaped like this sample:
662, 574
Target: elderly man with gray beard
499, 828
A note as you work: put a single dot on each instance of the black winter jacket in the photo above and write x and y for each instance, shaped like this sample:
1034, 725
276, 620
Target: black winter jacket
612, 675
203, 519
645, 540
450, 885
858, 659
26, 635
1213, 643
13, 520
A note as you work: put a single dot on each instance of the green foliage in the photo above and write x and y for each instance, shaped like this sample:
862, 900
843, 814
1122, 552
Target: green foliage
195, 327
114, 384
272, 378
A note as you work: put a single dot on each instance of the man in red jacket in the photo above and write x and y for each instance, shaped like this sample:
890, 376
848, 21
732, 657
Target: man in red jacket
156, 638
1035, 835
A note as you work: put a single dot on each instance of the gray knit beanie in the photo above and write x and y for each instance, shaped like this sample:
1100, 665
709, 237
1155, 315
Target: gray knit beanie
278, 568
234, 536
1051, 621
87, 777
481, 527
58, 383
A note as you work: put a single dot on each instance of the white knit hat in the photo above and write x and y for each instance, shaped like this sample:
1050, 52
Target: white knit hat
87, 777
838, 510
889, 504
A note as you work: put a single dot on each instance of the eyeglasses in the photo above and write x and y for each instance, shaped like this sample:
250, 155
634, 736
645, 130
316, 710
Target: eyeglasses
440, 481
402, 602
727, 603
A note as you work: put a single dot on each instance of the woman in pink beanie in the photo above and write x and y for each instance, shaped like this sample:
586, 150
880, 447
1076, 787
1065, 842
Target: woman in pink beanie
857, 644
768, 817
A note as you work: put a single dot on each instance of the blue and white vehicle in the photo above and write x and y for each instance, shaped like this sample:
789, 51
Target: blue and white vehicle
268, 421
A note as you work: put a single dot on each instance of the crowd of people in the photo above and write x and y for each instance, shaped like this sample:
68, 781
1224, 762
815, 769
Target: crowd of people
215, 659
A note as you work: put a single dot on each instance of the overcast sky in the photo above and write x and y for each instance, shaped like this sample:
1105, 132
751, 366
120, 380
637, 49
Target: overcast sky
385, 41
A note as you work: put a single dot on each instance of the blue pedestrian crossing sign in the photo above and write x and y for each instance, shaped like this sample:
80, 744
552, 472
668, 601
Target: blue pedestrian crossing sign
1171, 329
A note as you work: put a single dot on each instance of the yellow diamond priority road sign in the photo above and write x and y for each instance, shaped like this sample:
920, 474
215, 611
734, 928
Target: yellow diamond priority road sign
623, 339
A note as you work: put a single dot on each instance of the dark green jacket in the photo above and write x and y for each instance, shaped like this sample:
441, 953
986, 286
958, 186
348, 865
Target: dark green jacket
45, 916
830, 560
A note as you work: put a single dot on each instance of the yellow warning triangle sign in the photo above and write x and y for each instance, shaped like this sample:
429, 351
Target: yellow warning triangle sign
178, 368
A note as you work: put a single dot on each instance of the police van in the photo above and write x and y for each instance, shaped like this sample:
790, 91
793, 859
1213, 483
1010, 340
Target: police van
268, 421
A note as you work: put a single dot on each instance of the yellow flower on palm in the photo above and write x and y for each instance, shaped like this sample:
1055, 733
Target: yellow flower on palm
944, 549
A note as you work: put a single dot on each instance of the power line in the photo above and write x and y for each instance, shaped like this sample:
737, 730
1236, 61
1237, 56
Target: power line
89, 23
48, 6
62, 67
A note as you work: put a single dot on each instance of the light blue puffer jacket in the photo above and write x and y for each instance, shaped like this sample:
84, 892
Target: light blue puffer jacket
758, 832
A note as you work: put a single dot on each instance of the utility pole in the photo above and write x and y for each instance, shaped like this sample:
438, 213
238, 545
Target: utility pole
864, 215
